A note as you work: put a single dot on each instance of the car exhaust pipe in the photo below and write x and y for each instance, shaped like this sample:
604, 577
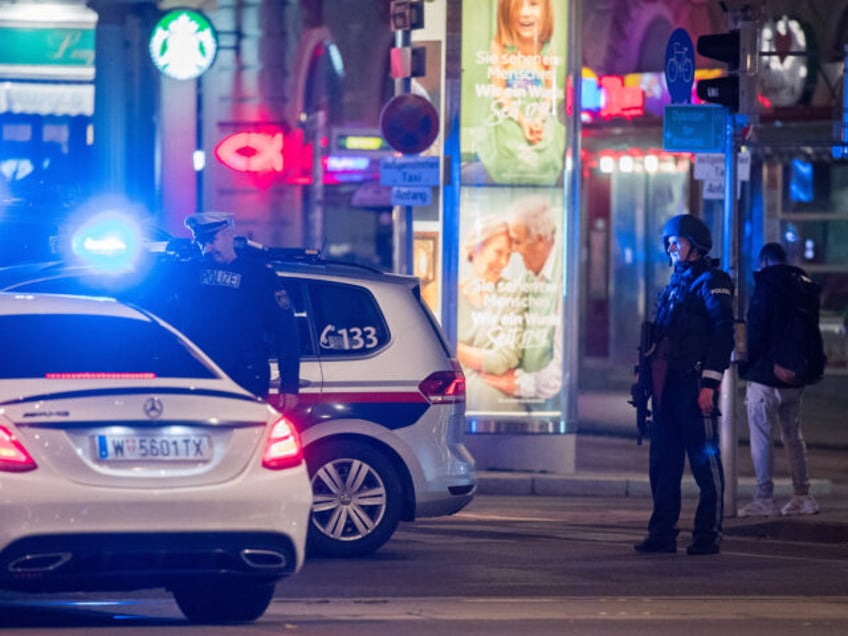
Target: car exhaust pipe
265, 559
39, 562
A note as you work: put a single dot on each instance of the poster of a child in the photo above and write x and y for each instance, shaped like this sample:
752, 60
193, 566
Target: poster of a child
513, 128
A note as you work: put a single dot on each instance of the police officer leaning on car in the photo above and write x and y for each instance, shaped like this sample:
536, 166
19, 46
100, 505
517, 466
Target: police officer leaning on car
236, 309
693, 336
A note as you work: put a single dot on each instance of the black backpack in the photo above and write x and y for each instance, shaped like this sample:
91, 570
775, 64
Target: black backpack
799, 356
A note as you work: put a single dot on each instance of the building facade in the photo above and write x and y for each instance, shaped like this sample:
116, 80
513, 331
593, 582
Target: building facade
84, 112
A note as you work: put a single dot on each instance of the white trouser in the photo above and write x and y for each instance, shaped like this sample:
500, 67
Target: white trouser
766, 406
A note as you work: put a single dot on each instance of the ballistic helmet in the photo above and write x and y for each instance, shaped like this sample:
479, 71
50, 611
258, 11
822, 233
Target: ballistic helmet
690, 227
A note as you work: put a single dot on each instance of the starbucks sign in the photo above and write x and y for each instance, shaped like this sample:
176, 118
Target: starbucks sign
183, 44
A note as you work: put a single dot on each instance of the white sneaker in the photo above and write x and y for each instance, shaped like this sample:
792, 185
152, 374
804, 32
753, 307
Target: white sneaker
761, 507
800, 505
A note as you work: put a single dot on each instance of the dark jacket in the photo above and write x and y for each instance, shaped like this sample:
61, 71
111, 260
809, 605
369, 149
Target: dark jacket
695, 314
241, 315
766, 309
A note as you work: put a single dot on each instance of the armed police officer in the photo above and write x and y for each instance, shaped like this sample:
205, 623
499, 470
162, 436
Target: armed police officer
235, 308
693, 340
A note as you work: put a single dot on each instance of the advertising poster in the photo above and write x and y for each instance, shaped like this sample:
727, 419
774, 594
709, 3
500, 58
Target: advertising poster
510, 301
513, 92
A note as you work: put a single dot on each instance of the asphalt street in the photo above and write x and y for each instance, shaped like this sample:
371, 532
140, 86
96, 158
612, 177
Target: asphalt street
610, 464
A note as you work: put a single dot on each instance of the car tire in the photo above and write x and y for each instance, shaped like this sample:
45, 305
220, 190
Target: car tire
356, 503
232, 602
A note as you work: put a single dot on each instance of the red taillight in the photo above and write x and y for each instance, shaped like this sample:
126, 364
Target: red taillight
13, 456
283, 447
445, 387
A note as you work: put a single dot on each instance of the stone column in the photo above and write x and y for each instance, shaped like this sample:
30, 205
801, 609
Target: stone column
125, 102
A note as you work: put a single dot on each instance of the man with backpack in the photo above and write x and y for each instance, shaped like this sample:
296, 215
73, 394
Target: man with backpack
784, 353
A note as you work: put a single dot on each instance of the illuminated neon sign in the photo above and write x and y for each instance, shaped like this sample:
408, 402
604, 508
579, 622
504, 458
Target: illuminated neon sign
361, 142
608, 97
252, 151
183, 44
621, 100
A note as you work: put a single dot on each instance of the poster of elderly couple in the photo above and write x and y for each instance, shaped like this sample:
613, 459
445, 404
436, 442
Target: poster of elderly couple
509, 302
512, 142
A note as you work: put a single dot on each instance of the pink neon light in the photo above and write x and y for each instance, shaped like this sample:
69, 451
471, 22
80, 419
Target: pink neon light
252, 152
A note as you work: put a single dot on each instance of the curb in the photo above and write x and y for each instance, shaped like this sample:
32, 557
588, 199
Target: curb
618, 485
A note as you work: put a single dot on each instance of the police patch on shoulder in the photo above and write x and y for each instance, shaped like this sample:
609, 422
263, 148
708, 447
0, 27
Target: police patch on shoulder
282, 298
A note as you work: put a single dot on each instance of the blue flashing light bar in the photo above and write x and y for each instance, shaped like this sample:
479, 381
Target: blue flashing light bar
110, 241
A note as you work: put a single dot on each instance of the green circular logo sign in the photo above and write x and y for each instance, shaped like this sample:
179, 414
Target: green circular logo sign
183, 44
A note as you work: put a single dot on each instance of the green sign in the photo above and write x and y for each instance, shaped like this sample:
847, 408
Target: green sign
183, 44
67, 47
688, 128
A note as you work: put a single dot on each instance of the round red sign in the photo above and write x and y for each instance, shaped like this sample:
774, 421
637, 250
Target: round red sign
409, 123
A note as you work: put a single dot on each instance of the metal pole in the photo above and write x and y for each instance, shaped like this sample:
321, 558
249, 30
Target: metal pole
405, 242
728, 435
317, 128
572, 241
845, 102
198, 142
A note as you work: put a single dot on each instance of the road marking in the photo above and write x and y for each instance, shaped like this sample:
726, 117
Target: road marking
712, 608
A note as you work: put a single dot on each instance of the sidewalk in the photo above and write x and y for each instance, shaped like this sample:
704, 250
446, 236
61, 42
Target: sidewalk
609, 463
824, 415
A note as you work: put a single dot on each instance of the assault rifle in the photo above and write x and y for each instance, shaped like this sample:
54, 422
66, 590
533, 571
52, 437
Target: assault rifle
642, 389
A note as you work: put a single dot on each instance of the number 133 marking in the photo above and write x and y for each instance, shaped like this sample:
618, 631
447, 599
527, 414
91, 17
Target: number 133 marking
352, 338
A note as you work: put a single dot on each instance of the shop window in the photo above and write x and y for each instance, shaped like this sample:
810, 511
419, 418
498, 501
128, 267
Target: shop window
17, 132
808, 186
56, 134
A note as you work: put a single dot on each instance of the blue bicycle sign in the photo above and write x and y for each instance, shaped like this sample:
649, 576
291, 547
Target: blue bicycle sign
680, 66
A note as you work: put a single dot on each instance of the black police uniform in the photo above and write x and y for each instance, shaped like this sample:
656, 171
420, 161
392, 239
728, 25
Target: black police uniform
240, 314
694, 334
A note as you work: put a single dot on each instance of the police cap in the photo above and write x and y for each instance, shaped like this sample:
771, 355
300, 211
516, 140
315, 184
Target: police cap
205, 225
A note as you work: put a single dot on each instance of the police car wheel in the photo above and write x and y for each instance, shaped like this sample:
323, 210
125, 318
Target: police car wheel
356, 503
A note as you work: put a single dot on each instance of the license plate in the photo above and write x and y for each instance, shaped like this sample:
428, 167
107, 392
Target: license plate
115, 448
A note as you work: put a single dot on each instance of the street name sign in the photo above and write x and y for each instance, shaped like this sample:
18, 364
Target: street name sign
411, 172
713, 190
694, 128
710, 166
412, 196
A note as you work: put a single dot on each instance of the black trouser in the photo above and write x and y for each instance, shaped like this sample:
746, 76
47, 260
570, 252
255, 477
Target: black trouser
255, 377
679, 430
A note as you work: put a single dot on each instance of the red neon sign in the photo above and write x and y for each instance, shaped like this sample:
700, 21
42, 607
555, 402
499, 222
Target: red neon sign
621, 100
252, 151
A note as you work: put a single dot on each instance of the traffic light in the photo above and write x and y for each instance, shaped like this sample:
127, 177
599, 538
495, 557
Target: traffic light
738, 50
407, 15
405, 60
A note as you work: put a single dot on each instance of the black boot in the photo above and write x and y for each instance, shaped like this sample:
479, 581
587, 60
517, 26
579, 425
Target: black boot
699, 548
652, 545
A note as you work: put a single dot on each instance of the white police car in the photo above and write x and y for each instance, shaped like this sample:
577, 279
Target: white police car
128, 460
382, 402
382, 406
